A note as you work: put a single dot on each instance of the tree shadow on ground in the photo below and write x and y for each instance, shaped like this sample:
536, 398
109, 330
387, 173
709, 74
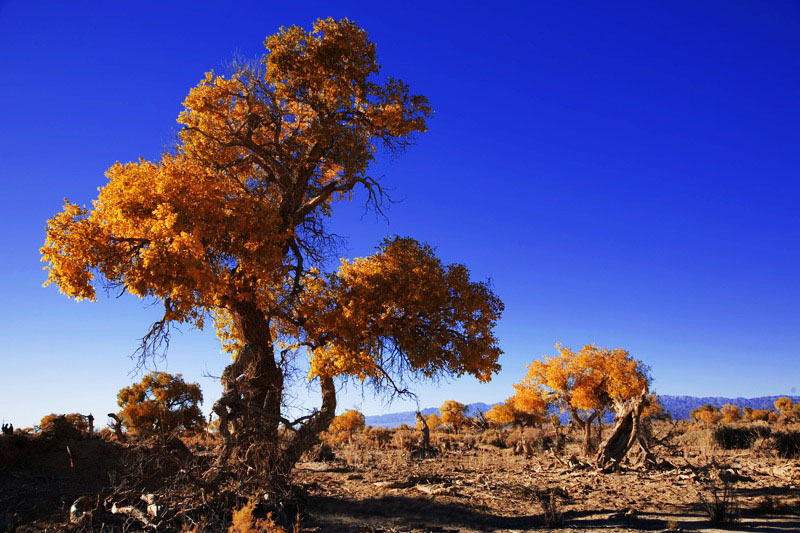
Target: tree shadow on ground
342, 514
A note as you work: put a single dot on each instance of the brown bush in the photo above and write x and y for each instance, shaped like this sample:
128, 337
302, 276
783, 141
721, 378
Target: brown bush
786, 444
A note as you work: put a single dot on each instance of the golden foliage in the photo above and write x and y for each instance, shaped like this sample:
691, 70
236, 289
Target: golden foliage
261, 155
161, 403
588, 380
401, 300
730, 413
77, 420
654, 410
244, 522
348, 422
789, 411
509, 413
453, 415
433, 421
234, 215
709, 414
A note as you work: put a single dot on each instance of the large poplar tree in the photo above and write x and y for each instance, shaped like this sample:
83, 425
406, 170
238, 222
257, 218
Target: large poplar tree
231, 225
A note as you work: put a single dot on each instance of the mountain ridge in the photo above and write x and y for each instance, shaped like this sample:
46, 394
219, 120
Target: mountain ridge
678, 406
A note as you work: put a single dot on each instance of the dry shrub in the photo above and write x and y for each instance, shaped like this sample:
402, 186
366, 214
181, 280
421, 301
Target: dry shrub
405, 439
720, 504
551, 513
243, 521
376, 438
786, 444
739, 437
493, 437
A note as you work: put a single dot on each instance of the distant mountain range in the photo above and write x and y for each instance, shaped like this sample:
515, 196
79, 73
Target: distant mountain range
678, 406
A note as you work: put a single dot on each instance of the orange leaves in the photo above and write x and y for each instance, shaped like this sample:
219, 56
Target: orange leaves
347, 422
709, 414
236, 213
401, 310
160, 403
731, 413
588, 380
453, 415
262, 156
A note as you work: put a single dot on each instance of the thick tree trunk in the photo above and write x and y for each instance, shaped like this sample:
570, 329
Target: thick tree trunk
251, 405
625, 436
252, 383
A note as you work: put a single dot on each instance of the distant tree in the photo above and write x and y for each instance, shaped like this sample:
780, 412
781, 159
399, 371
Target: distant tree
76, 420
708, 414
454, 415
348, 422
584, 383
433, 421
501, 415
788, 410
730, 413
517, 412
343, 427
161, 403
761, 415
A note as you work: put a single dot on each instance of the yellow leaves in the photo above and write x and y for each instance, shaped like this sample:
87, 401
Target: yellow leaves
501, 415
730, 413
433, 421
453, 414
709, 414
162, 403
401, 309
348, 422
587, 380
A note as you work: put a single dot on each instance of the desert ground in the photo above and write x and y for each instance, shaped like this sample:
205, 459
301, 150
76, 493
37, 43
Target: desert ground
495, 480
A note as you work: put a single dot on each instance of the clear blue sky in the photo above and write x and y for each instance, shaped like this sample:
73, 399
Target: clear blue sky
626, 173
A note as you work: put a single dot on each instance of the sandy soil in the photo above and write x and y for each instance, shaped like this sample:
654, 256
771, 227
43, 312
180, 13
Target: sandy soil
491, 490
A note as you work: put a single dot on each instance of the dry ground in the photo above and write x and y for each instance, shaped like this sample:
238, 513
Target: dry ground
475, 487
490, 489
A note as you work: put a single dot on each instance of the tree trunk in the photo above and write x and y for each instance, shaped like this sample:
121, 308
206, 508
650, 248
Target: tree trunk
586, 425
426, 432
252, 383
251, 405
587, 438
626, 435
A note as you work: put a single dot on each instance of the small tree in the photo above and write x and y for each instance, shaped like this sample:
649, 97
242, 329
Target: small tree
517, 412
501, 415
159, 404
585, 383
76, 420
708, 414
433, 421
788, 410
343, 427
454, 415
730, 413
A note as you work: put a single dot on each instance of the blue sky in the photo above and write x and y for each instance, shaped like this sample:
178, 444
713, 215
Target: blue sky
625, 173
